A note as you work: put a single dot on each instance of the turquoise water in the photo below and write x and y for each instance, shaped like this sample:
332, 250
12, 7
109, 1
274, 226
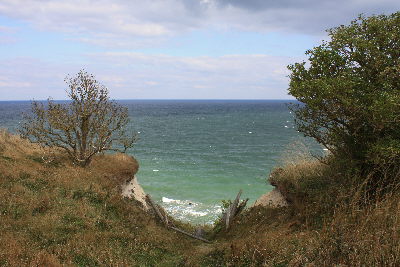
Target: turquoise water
193, 154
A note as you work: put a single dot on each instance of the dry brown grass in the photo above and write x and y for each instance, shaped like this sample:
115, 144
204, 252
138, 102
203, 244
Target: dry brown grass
53, 213
368, 236
325, 225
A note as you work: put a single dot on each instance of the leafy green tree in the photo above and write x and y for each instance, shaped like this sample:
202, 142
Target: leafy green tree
350, 92
88, 124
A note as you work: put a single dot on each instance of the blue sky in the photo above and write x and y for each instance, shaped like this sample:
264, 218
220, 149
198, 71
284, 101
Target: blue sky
165, 49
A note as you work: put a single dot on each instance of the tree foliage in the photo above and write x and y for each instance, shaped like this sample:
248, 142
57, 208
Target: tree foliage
88, 124
350, 91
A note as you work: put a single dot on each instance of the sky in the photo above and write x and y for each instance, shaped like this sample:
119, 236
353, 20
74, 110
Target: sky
165, 49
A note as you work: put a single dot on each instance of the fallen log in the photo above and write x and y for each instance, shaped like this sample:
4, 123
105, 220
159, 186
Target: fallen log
189, 234
158, 212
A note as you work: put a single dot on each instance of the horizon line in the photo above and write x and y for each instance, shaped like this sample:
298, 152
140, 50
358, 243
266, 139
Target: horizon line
164, 99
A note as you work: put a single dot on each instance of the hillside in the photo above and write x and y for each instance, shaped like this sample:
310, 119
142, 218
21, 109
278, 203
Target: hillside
55, 214
327, 223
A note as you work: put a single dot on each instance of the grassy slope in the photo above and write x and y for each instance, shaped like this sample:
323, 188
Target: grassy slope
325, 225
53, 213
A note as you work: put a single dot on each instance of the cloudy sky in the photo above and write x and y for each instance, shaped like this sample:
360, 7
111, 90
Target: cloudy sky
165, 49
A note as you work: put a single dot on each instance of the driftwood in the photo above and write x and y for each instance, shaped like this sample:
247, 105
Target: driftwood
164, 220
227, 217
188, 234
234, 209
241, 206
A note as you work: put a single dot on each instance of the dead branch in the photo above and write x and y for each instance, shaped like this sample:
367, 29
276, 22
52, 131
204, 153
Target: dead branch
232, 210
188, 234
155, 208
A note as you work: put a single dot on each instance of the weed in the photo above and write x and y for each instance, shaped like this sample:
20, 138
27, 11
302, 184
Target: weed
102, 225
36, 185
71, 220
85, 261
6, 158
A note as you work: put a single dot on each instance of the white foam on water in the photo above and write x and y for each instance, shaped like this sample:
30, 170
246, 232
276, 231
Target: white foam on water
187, 210
169, 200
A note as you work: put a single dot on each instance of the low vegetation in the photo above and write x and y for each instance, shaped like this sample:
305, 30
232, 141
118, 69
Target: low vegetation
344, 209
53, 213
326, 224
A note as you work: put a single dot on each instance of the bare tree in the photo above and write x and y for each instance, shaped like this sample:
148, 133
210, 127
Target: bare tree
88, 124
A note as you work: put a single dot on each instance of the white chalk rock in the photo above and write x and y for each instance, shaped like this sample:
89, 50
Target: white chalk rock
133, 189
272, 199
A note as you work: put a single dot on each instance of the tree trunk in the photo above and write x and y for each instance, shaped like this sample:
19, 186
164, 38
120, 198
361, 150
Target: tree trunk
84, 135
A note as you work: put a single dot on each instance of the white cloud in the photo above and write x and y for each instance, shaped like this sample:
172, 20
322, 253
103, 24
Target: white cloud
6, 83
134, 23
28, 78
7, 35
6, 29
101, 22
134, 75
151, 83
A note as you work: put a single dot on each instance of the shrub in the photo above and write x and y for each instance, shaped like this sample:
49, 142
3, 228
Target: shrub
350, 94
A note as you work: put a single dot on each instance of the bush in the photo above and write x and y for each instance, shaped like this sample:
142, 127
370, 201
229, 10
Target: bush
87, 125
350, 94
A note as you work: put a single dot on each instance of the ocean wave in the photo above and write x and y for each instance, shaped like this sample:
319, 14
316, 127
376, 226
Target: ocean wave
189, 211
170, 200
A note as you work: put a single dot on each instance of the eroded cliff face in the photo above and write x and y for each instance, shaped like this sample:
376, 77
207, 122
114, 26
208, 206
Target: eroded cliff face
273, 199
132, 189
125, 174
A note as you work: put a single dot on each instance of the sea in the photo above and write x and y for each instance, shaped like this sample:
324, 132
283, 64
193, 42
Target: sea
193, 154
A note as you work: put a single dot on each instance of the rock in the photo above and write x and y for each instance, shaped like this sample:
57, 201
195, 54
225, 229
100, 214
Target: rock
132, 189
272, 199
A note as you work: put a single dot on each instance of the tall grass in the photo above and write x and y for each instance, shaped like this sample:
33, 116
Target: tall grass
329, 221
53, 213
